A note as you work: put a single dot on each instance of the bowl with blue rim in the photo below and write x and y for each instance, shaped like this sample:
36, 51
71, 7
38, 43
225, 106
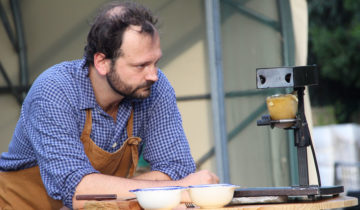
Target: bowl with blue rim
159, 197
212, 195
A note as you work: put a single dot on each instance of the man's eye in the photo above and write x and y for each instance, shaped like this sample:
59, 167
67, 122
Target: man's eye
141, 66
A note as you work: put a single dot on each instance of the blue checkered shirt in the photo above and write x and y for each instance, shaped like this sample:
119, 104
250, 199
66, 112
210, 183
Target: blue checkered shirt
53, 116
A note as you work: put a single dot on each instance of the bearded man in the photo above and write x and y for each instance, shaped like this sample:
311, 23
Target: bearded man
84, 123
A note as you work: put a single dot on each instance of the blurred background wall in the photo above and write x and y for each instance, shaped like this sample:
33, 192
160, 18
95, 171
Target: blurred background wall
252, 37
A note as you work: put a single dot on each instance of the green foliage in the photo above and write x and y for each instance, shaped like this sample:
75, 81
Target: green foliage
334, 45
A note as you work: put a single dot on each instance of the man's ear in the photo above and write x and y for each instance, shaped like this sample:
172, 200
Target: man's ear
101, 64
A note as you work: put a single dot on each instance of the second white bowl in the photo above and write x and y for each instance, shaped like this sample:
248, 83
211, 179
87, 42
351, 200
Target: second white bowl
212, 195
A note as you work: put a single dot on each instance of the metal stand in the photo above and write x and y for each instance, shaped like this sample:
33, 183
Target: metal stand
296, 77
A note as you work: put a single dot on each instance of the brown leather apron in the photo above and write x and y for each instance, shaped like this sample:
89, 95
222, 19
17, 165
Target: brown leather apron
24, 189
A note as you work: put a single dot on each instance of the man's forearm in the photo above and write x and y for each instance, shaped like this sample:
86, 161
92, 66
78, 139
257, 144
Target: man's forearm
153, 175
104, 184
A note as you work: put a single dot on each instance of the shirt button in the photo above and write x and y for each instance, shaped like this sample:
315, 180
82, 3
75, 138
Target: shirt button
114, 145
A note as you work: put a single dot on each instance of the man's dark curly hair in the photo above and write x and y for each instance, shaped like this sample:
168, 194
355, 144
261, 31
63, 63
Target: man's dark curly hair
106, 33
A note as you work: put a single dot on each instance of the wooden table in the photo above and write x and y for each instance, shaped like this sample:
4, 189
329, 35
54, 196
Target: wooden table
330, 203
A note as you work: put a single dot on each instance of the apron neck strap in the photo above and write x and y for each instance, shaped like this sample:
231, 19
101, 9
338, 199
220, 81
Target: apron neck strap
88, 123
130, 124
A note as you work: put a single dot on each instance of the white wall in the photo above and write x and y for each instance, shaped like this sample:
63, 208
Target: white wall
338, 143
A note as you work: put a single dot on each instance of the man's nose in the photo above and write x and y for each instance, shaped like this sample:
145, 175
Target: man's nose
152, 74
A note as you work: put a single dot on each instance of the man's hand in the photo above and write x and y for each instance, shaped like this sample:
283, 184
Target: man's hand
200, 177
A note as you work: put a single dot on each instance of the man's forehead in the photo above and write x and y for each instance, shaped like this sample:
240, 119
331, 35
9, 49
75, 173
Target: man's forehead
136, 40
134, 33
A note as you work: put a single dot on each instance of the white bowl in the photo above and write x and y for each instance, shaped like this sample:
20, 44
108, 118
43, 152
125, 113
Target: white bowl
212, 195
159, 197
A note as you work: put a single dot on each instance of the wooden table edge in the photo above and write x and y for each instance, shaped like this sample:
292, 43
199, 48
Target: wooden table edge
330, 203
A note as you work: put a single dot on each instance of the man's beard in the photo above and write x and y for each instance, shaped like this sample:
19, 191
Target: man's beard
121, 88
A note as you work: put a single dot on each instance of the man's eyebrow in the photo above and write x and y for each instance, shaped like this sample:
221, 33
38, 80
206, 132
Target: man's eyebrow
141, 63
146, 62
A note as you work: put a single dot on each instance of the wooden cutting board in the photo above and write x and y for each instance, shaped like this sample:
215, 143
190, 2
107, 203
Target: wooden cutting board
112, 205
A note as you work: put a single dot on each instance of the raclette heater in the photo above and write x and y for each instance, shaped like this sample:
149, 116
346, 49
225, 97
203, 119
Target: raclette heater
298, 78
